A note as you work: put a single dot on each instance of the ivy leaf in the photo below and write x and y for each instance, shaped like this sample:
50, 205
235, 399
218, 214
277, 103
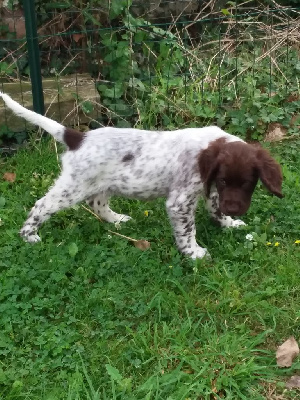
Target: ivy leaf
2, 202
113, 93
136, 83
73, 249
87, 107
113, 373
225, 11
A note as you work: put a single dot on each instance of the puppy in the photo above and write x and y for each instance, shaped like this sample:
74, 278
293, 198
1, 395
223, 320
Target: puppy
180, 165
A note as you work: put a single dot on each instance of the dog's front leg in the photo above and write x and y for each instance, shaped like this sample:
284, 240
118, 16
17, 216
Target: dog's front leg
181, 210
212, 205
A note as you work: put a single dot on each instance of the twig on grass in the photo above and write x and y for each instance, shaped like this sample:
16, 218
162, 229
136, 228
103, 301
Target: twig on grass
139, 243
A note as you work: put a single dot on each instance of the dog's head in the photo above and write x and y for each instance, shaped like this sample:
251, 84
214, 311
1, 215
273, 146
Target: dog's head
235, 168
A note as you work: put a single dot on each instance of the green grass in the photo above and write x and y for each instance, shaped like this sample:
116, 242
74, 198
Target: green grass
113, 322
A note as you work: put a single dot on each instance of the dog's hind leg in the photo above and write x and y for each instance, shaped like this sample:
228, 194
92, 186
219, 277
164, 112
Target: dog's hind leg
100, 205
65, 193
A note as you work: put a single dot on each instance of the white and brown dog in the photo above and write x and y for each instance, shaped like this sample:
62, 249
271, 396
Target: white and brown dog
179, 165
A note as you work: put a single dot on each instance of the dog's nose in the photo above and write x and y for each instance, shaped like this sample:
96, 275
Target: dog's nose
232, 208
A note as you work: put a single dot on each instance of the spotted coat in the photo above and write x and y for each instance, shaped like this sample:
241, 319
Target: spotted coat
132, 163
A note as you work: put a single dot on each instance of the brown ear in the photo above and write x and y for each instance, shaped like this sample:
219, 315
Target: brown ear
269, 172
209, 163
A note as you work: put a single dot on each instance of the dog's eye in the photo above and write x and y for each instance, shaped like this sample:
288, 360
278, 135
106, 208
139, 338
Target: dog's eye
222, 182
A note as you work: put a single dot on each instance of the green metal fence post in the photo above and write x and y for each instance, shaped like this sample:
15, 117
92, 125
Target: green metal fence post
34, 56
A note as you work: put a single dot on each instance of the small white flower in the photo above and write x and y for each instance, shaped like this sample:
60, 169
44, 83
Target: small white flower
249, 236
117, 225
109, 236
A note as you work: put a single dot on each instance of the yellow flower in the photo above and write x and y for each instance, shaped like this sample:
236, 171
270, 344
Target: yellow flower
276, 244
146, 213
170, 266
297, 241
268, 243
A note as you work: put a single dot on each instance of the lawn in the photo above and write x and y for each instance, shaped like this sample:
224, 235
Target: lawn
86, 315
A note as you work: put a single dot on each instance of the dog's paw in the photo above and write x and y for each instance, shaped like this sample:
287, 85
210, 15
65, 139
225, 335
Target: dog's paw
228, 222
114, 218
123, 218
237, 222
199, 252
30, 238
33, 239
29, 235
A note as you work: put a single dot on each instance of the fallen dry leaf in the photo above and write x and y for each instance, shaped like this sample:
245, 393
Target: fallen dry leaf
9, 176
275, 132
292, 97
77, 36
142, 244
188, 371
295, 120
286, 353
293, 382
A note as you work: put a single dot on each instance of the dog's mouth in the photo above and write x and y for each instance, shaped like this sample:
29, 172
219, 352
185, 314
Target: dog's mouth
233, 214
233, 210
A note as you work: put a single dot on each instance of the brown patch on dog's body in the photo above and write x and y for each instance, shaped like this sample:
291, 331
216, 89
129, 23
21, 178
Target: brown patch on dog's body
73, 138
128, 157
235, 168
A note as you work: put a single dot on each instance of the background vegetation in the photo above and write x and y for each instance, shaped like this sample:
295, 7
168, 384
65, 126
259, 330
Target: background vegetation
237, 66
86, 315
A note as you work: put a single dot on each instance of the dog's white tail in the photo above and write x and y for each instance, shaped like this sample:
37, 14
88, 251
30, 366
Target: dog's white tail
54, 128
